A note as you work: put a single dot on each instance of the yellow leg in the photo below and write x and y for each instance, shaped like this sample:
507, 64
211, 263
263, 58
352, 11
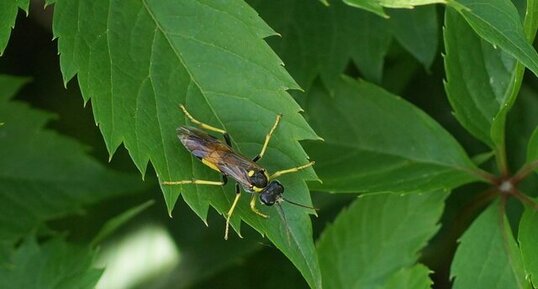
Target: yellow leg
199, 123
194, 182
268, 138
253, 207
292, 170
229, 215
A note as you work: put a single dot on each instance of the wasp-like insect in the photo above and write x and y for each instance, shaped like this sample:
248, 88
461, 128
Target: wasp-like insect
220, 156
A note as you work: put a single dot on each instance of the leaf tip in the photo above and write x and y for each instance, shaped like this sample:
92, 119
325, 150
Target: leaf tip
299, 88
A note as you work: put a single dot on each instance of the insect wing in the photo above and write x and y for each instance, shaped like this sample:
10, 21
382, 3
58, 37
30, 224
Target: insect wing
198, 142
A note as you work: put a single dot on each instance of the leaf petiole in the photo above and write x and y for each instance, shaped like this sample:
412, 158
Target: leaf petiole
524, 171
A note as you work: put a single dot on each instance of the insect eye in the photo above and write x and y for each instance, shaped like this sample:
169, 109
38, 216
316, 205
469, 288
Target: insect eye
272, 193
267, 199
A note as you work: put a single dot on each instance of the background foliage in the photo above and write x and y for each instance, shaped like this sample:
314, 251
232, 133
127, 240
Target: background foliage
410, 195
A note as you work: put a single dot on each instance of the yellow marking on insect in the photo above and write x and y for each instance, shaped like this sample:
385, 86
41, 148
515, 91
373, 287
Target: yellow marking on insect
199, 123
211, 165
256, 189
250, 173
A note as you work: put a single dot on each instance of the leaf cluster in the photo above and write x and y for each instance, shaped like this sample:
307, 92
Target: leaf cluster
364, 92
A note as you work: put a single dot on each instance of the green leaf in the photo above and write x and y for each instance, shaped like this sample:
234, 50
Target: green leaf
416, 30
376, 141
45, 175
318, 40
478, 77
139, 60
487, 256
8, 15
113, 224
483, 81
528, 238
498, 22
482, 157
530, 24
369, 5
532, 149
376, 6
416, 277
499, 122
54, 264
377, 236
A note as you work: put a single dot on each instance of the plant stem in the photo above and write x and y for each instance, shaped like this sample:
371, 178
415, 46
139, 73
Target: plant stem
524, 171
502, 163
525, 199
484, 175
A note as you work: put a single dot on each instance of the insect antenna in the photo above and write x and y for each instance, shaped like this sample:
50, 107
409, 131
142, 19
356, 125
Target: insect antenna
300, 205
284, 220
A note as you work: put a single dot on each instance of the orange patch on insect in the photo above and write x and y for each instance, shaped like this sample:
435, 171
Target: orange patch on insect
210, 164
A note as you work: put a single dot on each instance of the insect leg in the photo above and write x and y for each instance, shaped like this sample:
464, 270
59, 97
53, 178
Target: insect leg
206, 126
292, 170
227, 139
253, 206
267, 139
231, 210
224, 179
194, 182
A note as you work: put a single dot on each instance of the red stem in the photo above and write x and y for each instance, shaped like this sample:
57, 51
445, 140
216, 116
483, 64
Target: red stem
524, 172
525, 199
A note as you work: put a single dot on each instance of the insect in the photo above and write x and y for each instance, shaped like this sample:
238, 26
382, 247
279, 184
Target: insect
249, 175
